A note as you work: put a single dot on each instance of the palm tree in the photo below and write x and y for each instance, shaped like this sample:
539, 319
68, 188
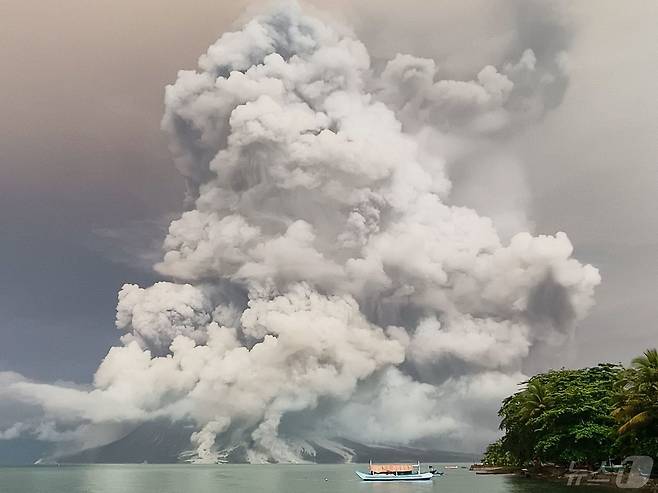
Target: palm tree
518, 418
637, 400
535, 400
647, 365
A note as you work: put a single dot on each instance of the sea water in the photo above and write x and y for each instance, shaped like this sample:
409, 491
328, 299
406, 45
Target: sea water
233, 478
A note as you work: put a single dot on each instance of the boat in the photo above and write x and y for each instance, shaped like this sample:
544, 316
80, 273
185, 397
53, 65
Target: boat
395, 472
496, 470
610, 467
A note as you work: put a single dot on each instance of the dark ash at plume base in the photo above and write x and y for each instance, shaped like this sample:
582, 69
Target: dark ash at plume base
321, 284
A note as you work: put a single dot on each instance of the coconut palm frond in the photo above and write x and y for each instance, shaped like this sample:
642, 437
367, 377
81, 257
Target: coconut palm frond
648, 361
637, 421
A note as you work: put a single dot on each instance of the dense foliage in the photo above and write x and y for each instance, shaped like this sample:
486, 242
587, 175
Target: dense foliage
636, 406
586, 415
496, 455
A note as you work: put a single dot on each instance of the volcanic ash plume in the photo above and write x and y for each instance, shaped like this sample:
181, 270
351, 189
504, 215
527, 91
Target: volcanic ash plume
321, 283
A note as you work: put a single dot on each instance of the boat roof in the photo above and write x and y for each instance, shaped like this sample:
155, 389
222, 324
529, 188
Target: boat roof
391, 467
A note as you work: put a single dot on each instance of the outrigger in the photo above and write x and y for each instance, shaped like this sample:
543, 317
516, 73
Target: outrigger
394, 472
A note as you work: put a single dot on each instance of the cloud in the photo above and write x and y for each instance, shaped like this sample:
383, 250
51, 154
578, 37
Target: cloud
322, 264
154, 317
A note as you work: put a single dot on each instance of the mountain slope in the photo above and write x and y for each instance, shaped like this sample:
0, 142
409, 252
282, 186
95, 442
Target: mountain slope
162, 442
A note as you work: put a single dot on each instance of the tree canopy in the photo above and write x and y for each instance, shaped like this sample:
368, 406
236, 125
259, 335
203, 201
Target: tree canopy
636, 406
586, 415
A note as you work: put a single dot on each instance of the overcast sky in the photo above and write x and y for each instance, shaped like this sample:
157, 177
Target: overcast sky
87, 182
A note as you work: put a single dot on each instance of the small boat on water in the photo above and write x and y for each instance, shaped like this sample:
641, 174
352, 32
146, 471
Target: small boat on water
395, 472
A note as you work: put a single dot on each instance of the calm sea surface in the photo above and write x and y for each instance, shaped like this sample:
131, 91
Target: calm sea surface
245, 478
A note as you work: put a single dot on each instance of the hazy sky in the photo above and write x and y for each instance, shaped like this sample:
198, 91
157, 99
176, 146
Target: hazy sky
87, 182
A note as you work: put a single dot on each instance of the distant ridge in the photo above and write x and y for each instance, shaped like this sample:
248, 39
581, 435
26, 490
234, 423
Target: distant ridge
155, 442
169, 443
364, 453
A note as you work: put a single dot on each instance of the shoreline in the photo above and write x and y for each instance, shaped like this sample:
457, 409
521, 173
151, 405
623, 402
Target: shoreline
574, 477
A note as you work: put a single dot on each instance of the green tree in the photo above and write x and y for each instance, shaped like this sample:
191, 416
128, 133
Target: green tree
562, 416
534, 400
496, 455
636, 406
584, 415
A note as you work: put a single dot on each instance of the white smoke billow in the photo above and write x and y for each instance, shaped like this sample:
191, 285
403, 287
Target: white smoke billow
321, 283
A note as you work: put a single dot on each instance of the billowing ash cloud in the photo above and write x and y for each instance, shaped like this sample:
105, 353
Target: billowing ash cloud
321, 284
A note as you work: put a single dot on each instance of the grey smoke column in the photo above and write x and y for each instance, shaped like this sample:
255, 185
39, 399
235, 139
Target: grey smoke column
321, 274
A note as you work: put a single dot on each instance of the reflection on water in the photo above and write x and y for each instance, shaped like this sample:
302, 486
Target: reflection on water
247, 478
520, 485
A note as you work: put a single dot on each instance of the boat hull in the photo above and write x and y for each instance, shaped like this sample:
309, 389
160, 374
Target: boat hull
425, 476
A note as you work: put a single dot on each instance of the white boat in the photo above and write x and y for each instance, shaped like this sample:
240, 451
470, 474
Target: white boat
395, 472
